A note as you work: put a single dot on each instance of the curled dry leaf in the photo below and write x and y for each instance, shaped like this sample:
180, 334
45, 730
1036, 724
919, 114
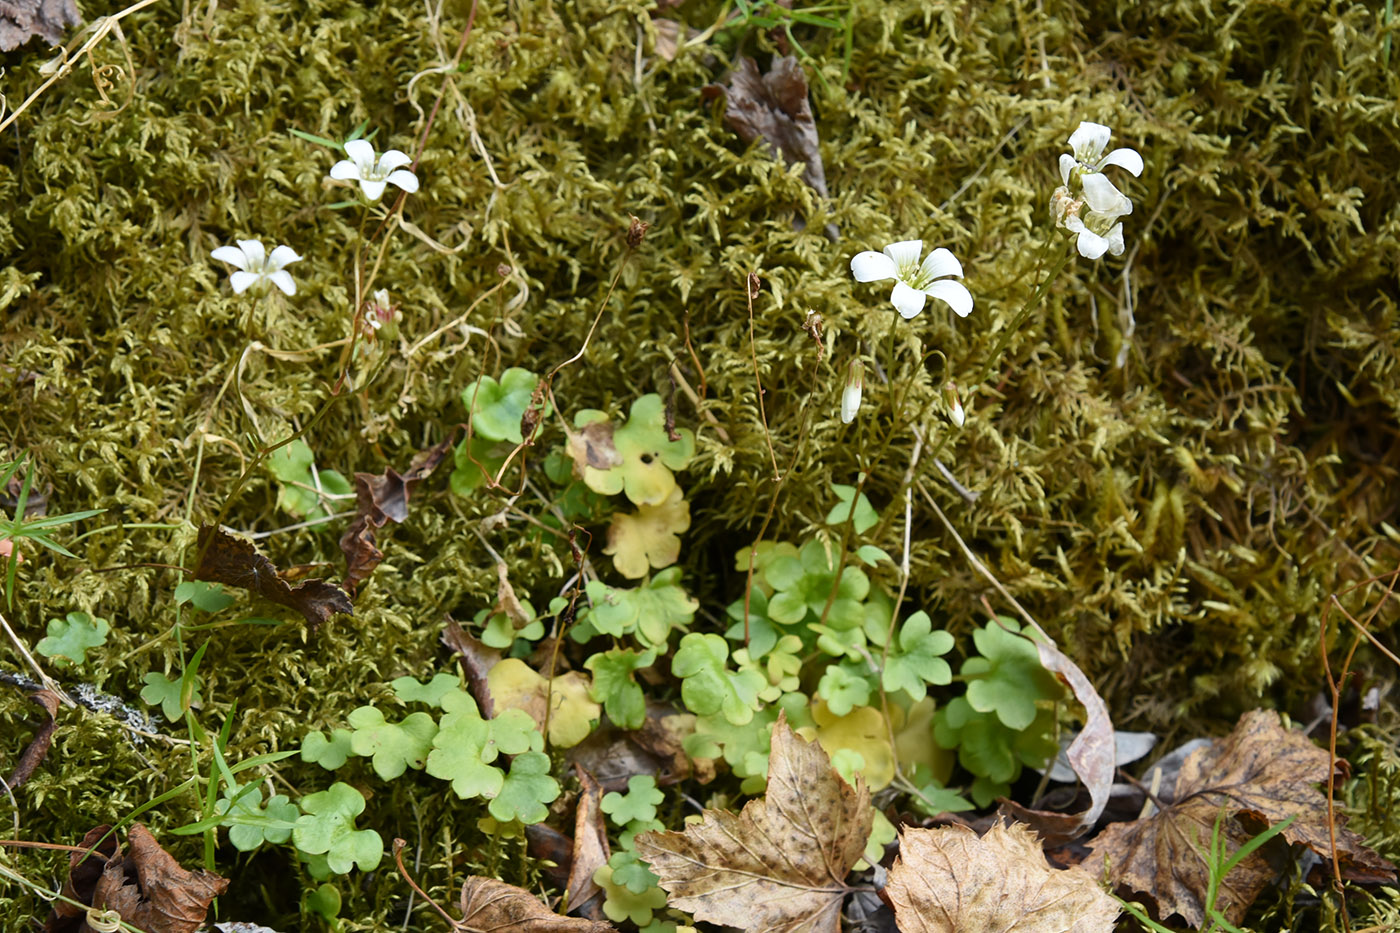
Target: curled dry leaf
590, 849
1261, 771
22, 20
38, 746
1091, 755
490, 906
380, 499
145, 885
948, 880
781, 864
235, 562
476, 660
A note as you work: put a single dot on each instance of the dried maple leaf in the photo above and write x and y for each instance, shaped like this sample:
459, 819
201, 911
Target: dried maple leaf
145, 885
379, 499
947, 880
22, 20
774, 107
235, 562
781, 864
1260, 771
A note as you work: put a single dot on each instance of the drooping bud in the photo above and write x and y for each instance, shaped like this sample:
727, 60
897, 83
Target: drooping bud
955, 409
850, 396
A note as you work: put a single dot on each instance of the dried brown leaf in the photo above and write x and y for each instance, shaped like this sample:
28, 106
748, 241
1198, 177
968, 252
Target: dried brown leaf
1091, 755
379, 499
38, 747
235, 562
490, 906
590, 850
84, 870
1262, 772
948, 880
22, 20
145, 885
781, 864
476, 660
774, 107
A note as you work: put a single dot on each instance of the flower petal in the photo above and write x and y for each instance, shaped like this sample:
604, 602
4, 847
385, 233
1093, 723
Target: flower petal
231, 254
905, 252
255, 253
392, 159
850, 403
1125, 158
1090, 245
361, 153
282, 256
1067, 164
939, 263
1104, 198
1115, 240
870, 266
373, 190
954, 294
907, 301
241, 281
283, 280
1088, 140
404, 179
344, 170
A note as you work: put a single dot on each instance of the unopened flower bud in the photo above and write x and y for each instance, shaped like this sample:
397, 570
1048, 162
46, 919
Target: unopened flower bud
955, 409
850, 396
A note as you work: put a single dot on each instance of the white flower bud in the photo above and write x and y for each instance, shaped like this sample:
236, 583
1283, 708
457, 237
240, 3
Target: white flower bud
955, 409
850, 396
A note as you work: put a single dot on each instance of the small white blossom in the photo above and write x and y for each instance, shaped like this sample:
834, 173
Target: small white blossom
915, 281
850, 395
256, 269
1088, 161
373, 174
1095, 232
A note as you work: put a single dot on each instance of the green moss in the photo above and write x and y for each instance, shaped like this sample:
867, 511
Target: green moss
1176, 524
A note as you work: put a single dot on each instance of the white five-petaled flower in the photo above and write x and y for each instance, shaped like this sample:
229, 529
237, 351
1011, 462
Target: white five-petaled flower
915, 281
373, 174
1096, 229
256, 269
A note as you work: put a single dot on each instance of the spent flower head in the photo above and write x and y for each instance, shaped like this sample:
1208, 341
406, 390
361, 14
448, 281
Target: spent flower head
374, 174
915, 281
256, 269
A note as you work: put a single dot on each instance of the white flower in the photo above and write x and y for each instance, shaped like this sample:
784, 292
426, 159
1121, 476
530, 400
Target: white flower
850, 395
256, 269
1088, 161
914, 281
373, 174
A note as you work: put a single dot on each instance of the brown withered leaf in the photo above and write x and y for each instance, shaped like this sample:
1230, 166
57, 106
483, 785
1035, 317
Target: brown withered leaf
22, 20
1260, 774
84, 870
380, 499
145, 885
490, 906
781, 864
235, 562
590, 850
38, 746
947, 879
476, 661
774, 108
1091, 755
